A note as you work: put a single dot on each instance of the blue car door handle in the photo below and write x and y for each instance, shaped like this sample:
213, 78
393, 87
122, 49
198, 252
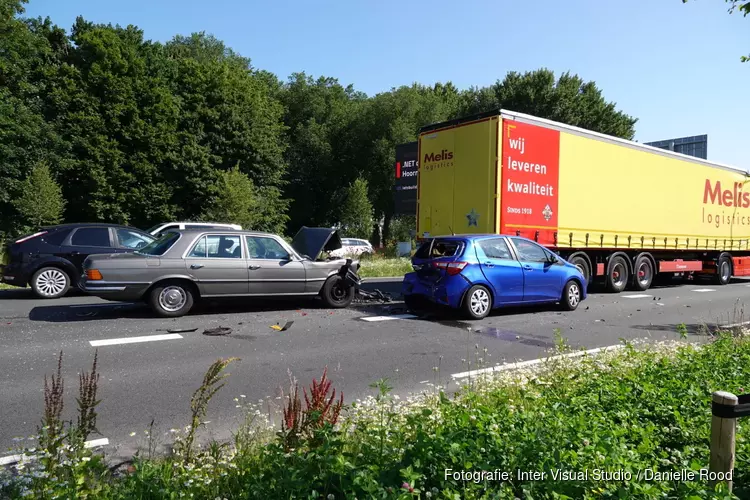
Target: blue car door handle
528, 268
196, 266
489, 264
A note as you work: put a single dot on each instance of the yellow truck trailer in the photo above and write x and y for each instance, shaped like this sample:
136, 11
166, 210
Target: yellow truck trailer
617, 209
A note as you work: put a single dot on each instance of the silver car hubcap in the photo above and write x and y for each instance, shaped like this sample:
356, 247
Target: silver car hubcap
51, 282
172, 298
574, 295
480, 302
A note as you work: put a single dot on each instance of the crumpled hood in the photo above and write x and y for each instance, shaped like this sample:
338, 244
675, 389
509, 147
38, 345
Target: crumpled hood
310, 241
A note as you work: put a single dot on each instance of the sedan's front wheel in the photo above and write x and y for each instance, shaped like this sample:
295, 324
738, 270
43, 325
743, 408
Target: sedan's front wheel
171, 300
337, 293
50, 283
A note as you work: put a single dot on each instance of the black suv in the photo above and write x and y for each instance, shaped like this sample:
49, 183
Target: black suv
51, 260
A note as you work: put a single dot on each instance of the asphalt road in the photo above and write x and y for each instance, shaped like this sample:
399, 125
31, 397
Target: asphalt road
154, 380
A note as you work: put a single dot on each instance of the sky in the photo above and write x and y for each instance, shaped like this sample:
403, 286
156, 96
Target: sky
675, 66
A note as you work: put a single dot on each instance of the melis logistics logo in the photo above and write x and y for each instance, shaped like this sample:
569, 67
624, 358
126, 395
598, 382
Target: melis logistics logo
434, 160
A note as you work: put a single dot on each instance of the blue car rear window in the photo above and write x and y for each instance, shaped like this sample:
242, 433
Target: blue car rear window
433, 249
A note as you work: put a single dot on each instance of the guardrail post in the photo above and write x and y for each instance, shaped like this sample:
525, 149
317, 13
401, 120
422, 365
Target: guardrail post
723, 430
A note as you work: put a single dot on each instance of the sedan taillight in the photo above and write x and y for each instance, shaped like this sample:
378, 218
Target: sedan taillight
451, 268
94, 275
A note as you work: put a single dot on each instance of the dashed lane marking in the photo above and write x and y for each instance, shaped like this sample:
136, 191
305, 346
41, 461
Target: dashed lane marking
135, 340
637, 296
389, 318
703, 290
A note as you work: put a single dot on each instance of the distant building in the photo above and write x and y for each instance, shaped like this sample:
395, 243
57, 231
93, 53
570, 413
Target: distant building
692, 146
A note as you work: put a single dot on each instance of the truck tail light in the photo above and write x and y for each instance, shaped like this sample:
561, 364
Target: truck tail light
451, 268
94, 275
31, 236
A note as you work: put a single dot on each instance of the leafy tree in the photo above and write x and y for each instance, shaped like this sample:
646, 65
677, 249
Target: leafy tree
402, 228
744, 7
356, 212
26, 56
567, 99
239, 201
229, 117
392, 118
40, 201
319, 115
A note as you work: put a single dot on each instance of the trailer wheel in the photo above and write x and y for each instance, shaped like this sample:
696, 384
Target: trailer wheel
643, 274
582, 266
617, 274
723, 270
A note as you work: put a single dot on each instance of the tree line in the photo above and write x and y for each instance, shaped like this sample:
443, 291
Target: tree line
101, 124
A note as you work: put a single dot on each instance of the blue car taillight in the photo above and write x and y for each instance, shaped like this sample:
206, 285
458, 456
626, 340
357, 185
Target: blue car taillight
451, 268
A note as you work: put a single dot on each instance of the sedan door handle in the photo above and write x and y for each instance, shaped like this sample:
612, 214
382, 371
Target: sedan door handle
254, 268
196, 266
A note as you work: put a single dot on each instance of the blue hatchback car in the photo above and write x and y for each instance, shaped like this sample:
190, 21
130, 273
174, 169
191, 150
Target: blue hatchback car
478, 273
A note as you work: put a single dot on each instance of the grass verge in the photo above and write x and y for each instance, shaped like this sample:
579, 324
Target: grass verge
602, 420
382, 267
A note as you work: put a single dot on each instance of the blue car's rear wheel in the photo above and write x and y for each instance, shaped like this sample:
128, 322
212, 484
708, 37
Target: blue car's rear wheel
477, 303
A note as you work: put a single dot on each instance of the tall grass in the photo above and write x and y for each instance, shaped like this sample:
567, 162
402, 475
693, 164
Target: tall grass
380, 266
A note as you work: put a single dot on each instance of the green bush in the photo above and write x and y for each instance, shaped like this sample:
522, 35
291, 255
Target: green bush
627, 411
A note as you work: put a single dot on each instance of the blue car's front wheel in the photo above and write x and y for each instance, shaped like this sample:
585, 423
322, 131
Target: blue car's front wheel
477, 302
571, 296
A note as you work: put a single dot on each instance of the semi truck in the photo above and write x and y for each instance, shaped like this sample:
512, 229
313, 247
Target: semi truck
624, 213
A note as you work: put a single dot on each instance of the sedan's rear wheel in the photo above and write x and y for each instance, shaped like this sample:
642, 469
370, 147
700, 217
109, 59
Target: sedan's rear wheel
337, 293
172, 299
50, 283
477, 303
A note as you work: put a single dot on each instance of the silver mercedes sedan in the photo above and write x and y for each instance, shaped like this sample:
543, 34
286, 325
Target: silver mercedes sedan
181, 267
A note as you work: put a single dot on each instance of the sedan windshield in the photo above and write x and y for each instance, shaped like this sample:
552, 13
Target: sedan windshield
160, 246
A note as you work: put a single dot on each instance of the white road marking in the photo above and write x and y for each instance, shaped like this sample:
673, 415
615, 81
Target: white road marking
637, 296
389, 318
735, 325
424, 381
12, 459
704, 290
522, 364
135, 340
